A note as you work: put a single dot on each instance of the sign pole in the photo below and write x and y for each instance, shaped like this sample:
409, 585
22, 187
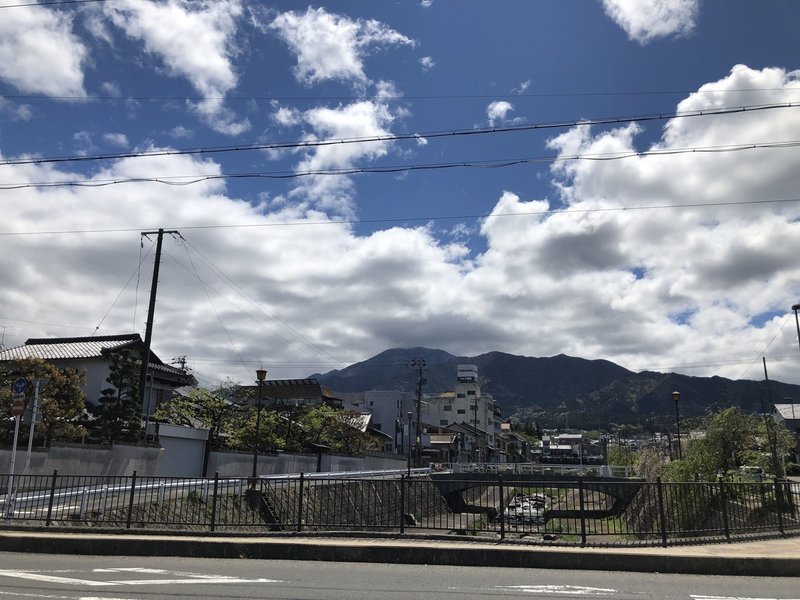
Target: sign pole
11, 469
33, 425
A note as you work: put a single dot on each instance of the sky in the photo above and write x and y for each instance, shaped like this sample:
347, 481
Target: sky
607, 179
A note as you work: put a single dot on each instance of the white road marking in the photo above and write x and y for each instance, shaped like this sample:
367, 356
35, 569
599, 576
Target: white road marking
176, 578
574, 590
56, 597
49, 578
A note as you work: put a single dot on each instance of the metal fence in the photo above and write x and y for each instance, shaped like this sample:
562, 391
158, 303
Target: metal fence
578, 511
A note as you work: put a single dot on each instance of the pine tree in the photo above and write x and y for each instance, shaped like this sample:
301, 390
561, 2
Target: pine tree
118, 412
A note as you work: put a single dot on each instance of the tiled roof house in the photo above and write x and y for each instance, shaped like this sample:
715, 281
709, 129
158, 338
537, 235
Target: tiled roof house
92, 355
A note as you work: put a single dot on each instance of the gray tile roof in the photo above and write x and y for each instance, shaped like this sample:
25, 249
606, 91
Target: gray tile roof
67, 348
788, 411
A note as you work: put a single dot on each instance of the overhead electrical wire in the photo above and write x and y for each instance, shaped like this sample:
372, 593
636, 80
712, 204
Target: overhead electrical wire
287, 98
552, 211
403, 136
317, 350
186, 180
51, 3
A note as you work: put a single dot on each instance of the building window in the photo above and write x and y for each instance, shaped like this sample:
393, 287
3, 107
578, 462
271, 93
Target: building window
443, 422
448, 407
461, 411
470, 392
472, 407
460, 395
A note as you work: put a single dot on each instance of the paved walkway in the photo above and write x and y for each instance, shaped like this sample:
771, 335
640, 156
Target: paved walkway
773, 557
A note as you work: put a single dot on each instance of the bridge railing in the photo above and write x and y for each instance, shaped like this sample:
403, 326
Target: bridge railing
535, 508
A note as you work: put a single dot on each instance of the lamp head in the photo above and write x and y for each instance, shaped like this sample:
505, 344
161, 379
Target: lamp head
261, 373
795, 307
676, 396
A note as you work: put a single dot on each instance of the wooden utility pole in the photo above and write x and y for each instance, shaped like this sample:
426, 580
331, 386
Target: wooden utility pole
148, 332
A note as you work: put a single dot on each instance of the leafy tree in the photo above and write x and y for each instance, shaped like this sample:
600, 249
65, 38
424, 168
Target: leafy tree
118, 411
732, 438
265, 434
222, 410
649, 463
61, 399
336, 429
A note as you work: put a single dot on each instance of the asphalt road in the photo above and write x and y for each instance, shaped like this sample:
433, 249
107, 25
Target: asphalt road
60, 577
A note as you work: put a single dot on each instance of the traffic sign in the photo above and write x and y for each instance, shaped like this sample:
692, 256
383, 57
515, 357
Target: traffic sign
20, 385
18, 407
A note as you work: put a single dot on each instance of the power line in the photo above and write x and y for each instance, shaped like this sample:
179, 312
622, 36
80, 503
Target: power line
52, 3
404, 136
186, 180
287, 98
257, 305
552, 211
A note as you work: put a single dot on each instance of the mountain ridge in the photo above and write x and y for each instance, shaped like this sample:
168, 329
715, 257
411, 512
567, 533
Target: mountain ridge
561, 389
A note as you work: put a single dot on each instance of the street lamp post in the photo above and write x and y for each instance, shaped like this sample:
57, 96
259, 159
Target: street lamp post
676, 396
795, 308
260, 374
410, 416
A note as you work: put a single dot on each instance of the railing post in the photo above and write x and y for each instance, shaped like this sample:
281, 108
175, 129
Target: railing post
84, 503
661, 515
130, 501
213, 522
582, 512
779, 504
52, 497
402, 504
502, 509
724, 499
300, 504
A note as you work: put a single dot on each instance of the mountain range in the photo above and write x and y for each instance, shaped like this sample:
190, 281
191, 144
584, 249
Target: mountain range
563, 391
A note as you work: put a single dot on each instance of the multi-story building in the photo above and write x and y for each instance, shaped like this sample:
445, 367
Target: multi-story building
468, 405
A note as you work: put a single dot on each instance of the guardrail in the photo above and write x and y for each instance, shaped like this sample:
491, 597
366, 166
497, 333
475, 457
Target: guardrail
579, 511
530, 468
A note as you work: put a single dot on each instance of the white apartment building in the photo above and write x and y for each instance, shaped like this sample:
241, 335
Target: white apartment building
466, 404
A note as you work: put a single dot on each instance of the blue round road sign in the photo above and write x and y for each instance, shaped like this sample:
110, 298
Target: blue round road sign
20, 385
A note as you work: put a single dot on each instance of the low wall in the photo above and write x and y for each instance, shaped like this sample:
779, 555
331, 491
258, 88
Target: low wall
118, 459
121, 459
240, 464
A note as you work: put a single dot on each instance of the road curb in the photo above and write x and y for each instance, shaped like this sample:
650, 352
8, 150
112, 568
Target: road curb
403, 552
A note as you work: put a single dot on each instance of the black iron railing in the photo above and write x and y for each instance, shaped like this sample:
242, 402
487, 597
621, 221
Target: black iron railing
580, 511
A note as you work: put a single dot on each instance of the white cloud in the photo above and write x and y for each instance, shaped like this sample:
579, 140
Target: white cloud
39, 53
426, 3
179, 132
329, 46
194, 40
427, 63
358, 120
286, 116
497, 111
646, 20
646, 288
116, 139
523, 87
110, 88
15, 112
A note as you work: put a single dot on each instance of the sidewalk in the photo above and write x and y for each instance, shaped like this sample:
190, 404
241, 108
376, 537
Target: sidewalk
773, 557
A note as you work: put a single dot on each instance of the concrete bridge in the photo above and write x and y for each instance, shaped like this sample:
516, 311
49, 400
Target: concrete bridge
453, 485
